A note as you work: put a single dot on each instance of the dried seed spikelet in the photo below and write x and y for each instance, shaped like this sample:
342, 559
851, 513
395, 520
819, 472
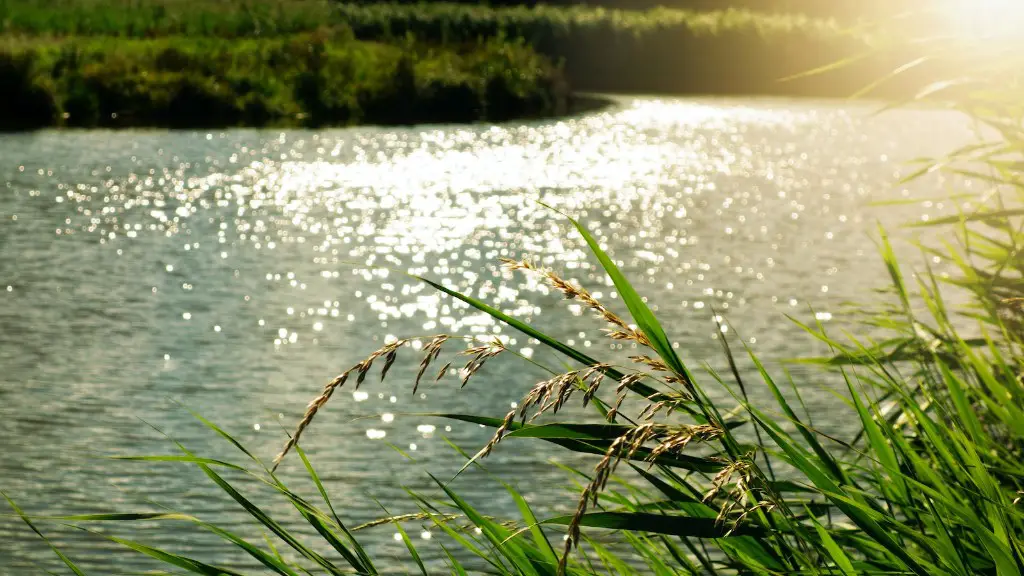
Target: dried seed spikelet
430, 353
498, 435
653, 364
405, 518
480, 354
442, 371
311, 411
573, 537
572, 292
615, 409
514, 265
388, 362
628, 381
624, 446
651, 410
740, 469
676, 439
592, 384
541, 393
765, 505
388, 351
553, 393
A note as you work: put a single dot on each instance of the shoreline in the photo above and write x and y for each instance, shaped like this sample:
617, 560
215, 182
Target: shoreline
576, 106
300, 80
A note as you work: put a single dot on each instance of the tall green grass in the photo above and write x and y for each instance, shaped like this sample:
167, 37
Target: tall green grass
930, 484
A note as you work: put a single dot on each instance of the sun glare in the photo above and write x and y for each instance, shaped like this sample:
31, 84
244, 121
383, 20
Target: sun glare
1000, 20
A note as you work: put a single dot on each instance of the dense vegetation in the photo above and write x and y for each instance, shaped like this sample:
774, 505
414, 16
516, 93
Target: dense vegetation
238, 18
849, 10
179, 63
843, 9
658, 50
300, 79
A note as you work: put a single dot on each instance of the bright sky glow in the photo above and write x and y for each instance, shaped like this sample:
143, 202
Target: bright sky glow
1000, 20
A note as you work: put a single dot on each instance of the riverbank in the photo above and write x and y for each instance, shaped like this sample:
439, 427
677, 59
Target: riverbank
189, 63
660, 50
301, 79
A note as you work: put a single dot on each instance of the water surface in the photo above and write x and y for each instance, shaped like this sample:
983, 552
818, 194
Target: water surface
234, 272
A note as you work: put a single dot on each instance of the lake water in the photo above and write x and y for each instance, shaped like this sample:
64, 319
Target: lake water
235, 272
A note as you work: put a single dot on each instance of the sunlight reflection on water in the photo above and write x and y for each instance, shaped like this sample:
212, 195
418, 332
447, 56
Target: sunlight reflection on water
238, 271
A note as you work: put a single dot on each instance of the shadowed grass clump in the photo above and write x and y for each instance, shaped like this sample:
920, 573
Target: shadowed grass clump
305, 80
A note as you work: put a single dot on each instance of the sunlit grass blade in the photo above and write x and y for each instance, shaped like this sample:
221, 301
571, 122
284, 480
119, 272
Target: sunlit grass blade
600, 447
638, 309
273, 562
540, 539
269, 522
858, 513
658, 524
526, 560
556, 345
67, 561
185, 562
840, 558
363, 561
412, 548
176, 458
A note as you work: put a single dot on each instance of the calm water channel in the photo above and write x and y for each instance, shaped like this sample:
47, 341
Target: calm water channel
143, 274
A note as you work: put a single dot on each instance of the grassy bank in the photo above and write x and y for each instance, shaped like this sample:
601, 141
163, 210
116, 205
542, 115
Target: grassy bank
657, 50
435, 20
847, 10
302, 79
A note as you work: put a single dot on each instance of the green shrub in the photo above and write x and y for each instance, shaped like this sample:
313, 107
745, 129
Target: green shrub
309, 79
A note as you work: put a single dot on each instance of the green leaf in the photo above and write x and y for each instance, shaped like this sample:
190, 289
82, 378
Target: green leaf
638, 309
412, 549
572, 431
270, 523
172, 458
167, 558
833, 549
683, 461
687, 526
539, 538
363, 562
67, 561
556, 345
